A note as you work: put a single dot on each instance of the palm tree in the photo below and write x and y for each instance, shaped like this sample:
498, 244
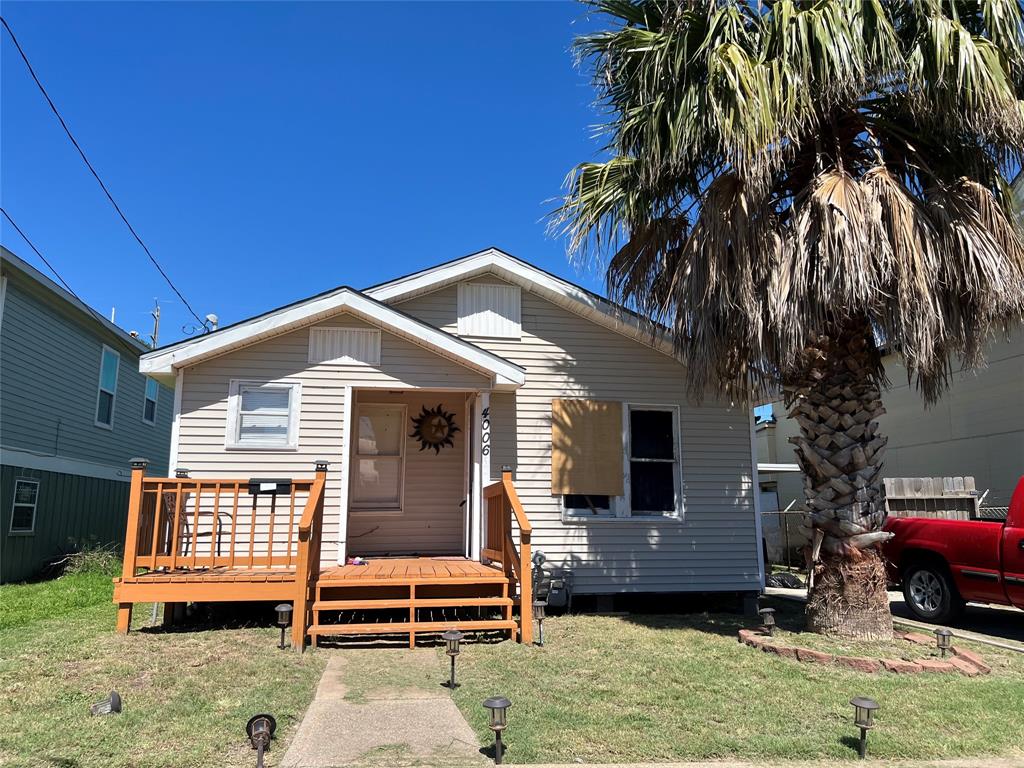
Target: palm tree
794, 187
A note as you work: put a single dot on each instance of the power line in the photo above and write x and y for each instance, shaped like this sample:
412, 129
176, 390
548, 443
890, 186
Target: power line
103, 186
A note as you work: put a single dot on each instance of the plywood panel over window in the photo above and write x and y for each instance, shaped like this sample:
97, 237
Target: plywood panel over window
490, 309
586, 447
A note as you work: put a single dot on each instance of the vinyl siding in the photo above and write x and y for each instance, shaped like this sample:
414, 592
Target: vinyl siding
50, 357
714, 547
322, 435
432, 520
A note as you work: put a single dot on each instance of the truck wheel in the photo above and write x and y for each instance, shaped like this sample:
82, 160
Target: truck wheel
931, 594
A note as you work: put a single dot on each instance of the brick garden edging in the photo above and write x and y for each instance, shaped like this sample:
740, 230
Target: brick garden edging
963, 661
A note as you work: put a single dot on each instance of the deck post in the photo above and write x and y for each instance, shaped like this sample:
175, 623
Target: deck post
305, 570
131, 538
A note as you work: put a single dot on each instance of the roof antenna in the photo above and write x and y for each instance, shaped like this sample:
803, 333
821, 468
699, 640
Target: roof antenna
211, 321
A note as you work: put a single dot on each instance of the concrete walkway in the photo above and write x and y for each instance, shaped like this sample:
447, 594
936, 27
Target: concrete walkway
411, 722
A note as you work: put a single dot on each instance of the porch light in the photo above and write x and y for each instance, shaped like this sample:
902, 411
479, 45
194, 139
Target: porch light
863, 718
284, 620
452, 638
943, 641
768, 620
260, 730
181, 473
497, 719
539, 607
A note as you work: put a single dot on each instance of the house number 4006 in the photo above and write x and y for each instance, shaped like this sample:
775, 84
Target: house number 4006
485, 432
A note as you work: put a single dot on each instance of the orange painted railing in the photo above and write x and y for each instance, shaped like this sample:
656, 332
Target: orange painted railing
183, 523
500, 547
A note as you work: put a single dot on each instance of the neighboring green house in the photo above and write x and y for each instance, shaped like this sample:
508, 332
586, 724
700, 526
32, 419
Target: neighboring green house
73, 410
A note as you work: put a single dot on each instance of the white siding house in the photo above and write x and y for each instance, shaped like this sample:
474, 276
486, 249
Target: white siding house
650, 492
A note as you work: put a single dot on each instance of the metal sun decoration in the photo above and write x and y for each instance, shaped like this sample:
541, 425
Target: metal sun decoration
434, 428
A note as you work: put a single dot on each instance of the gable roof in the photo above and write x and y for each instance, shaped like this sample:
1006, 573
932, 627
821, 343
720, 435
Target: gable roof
89, 316
546, 285
164, 361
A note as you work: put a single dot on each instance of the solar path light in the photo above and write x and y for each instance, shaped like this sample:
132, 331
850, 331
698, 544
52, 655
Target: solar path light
260, 730
497, 719
863, 718
943, 641
768, 620
539, 607
452, 638
284, 620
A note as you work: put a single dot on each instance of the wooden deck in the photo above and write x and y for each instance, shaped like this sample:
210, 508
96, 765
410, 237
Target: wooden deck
191, 540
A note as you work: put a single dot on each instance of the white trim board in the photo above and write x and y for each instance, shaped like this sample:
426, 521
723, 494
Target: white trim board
547, 286
14, 457
165, 362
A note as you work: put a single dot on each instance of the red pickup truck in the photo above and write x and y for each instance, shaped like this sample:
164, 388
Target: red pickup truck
943, 564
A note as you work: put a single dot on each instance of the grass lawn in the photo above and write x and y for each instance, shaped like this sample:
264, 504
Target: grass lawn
658, 688
187, 695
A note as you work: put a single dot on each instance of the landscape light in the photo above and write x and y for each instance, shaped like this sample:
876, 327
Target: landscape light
943, 640
863, 718
768, 620
109, 706
260, 730
538, 616
284, 620
452, 638
497, 719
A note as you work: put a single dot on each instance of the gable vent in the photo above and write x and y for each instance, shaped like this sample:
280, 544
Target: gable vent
490, 310
344, 346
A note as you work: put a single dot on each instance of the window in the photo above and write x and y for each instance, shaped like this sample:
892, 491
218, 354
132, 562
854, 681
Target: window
650, 464
344, 346
149, 404
379, 460
491, 310
109, 362
653, 476
23, 510
264, 415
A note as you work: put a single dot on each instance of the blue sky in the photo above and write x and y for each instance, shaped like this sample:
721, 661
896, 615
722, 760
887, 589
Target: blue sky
269, 151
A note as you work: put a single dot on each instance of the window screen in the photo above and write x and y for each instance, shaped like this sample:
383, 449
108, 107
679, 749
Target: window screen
109, 362
23, 510
264, 415
149, 405
380, 449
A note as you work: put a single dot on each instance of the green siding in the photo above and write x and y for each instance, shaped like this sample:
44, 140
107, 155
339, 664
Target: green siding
72, 511
50, 356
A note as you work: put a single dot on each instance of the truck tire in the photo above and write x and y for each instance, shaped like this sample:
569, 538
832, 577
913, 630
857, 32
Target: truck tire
930, 593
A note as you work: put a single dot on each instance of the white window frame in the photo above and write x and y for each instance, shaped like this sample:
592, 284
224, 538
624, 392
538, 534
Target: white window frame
100, 389
146, 398
14, 503
382, 508
234, 420
619, 506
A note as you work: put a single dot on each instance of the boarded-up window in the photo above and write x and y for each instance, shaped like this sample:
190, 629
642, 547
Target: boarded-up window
586, 447
344, 346
491, 310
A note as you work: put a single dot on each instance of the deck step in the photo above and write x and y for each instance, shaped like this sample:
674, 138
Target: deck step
404, 627
446, 602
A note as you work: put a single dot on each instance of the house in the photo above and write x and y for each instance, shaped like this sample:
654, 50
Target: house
461, 418
74, 408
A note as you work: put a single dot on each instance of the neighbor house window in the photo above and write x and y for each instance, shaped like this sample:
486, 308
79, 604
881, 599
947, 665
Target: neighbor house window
653, 477
23, 511
263, 415
379, 458
109, 362
149, 404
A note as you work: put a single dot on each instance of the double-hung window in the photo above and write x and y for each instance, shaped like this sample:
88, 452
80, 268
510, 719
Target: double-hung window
23, 510
379, 458
646, 452
264, 415
149, 403
109, 363
653, 476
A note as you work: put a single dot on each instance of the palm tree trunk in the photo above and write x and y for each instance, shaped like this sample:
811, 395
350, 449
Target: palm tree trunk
834, 395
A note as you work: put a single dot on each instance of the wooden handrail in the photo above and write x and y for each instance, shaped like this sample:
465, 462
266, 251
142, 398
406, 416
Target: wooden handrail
309, 512
502, 505
308, 567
